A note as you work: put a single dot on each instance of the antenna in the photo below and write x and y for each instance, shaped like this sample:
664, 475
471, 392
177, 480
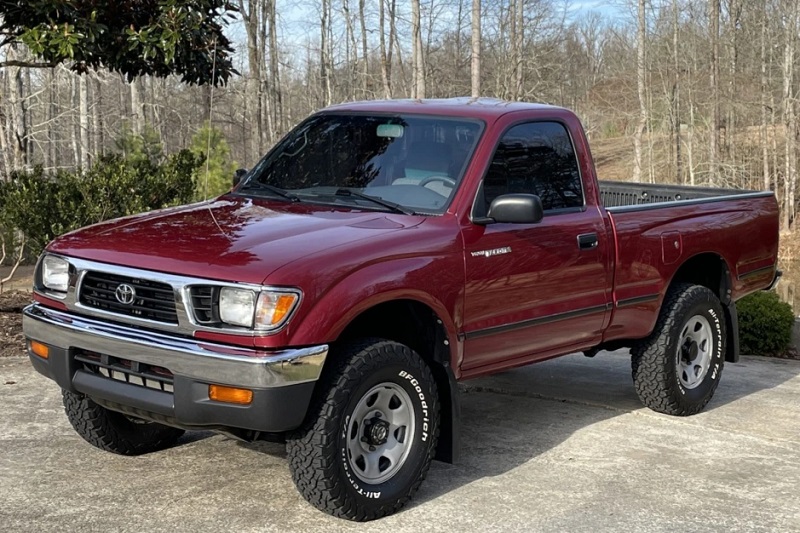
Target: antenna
210, 111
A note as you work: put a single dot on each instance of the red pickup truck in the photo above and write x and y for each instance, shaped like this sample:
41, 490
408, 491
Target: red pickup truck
376, 256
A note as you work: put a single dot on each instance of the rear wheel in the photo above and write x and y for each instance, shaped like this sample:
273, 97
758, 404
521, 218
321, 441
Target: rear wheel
371, 433
677, 369
114, 432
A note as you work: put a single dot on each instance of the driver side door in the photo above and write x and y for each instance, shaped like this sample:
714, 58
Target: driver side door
535, 289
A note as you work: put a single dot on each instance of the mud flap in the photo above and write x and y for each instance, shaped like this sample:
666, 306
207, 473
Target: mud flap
449, 448
732, 323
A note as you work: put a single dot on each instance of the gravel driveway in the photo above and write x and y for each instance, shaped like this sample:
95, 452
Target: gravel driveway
559, 446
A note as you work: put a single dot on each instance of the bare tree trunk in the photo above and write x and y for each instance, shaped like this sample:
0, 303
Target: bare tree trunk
764, 89
519, 39
98, 140
83, 122
265, 111
476, 48
640, 77
7, 164
52, 109
18, 126
364, 51
249, 11
789, 116
734, 16
324, 72
418, 59
137, 114
676, 95
274, 67
714, 148
386, 55
398, 50
351, 51
74, 125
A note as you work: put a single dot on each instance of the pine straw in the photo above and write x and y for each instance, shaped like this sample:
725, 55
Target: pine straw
12, 342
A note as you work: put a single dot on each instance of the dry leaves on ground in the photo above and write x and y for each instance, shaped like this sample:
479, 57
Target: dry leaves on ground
12, 342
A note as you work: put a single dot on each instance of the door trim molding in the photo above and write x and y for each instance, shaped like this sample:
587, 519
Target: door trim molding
534, 322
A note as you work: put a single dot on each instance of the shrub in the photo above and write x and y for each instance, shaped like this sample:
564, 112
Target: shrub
44, 205
765, 324
209, 144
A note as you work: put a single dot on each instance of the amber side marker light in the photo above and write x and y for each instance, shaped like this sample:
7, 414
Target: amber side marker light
39, 349
221, 393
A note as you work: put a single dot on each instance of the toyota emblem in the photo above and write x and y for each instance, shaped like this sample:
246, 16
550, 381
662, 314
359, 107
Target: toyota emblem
125, 294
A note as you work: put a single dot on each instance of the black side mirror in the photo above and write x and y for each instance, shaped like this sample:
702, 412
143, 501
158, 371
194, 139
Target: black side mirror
238, 175
514, 209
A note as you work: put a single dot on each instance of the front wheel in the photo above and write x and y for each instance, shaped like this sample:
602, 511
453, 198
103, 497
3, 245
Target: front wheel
115, 432
371, 433
677, 369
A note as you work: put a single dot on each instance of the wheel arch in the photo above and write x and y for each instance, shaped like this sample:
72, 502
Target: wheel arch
711, 270
416, 325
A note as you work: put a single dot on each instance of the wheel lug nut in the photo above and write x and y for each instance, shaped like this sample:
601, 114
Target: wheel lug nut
372, 448
378, 415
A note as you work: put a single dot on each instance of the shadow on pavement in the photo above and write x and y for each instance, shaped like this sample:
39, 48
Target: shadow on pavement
514, 417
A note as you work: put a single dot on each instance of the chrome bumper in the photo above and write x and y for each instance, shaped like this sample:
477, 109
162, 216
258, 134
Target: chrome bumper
191, 358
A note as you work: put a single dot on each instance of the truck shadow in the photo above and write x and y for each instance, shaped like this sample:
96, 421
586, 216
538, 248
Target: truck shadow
514, 417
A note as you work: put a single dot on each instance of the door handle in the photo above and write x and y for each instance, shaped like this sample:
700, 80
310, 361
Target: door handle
587, 241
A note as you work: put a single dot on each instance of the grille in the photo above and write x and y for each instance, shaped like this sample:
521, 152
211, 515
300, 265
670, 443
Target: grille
205, 304
133, 372
153, 300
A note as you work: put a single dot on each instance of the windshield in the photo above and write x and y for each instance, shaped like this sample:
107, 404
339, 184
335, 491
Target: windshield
408, 164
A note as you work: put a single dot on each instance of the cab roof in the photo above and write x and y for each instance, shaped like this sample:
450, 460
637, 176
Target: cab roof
488, 109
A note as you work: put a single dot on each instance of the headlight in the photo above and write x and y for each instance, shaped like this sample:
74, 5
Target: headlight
263, 311
237, 306
55, 273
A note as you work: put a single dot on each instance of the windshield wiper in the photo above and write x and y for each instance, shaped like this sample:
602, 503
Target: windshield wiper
396, 208
258, 186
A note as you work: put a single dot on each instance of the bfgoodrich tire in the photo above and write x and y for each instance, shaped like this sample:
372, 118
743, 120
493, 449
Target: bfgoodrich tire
677, 369
370, 434
115, 432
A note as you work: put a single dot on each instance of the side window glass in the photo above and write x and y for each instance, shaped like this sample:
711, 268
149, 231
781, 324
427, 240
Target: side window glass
535, 158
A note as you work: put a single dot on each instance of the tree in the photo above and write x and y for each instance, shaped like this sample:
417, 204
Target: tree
476, 48
215, 175
641, 81
714, 148
418, 67
133, 37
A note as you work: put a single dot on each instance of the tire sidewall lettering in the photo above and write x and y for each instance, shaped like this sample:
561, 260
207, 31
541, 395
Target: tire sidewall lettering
420, 399
715, 365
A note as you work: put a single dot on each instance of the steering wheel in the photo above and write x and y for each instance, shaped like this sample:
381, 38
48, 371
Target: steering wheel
444, 179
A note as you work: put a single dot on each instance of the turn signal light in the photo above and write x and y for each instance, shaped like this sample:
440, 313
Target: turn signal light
221, 393
39, 349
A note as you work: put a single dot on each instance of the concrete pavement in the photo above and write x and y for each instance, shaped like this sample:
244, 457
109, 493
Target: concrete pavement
559, 446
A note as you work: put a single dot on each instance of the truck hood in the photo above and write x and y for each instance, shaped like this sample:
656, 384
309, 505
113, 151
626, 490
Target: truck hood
229, 239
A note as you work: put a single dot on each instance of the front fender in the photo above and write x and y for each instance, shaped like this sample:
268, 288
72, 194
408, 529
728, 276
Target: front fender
437, 282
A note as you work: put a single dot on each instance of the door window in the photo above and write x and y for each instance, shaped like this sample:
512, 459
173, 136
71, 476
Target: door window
534, 158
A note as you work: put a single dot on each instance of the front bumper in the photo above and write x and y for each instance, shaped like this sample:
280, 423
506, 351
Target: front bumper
282, 382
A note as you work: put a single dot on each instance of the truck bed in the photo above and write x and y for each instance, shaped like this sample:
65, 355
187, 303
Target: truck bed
621, 194
661, 227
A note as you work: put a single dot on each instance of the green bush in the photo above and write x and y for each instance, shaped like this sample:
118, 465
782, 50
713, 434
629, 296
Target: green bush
765, 324
216, 175
44, 205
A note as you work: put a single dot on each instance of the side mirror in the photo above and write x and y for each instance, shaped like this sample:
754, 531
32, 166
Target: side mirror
514, 209
238, 175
